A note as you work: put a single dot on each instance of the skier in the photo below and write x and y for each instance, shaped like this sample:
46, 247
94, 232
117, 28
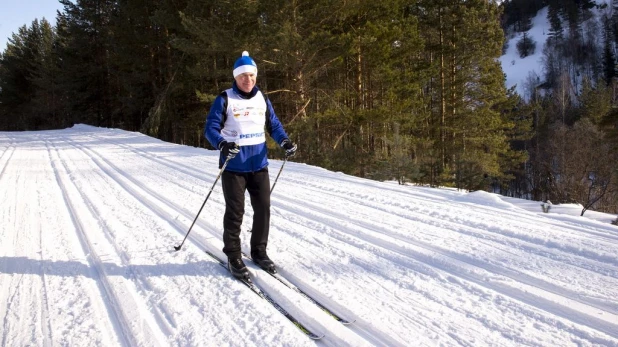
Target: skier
236, 126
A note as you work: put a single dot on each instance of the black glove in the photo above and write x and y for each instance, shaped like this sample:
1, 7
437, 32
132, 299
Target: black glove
290, 147
229, 149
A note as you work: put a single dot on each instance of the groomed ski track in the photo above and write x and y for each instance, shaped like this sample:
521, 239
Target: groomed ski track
90, 218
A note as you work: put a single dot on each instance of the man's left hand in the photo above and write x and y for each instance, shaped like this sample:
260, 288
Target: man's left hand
290, 147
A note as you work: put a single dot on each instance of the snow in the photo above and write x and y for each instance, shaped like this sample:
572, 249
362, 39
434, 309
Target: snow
90, 217
517, 69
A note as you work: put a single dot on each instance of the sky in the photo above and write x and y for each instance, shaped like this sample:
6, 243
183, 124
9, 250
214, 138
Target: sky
16, 13
90, 217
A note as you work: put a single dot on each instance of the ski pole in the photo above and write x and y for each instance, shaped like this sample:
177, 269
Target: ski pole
281, 169
177, 248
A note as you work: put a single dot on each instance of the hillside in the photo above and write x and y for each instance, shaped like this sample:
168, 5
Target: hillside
519, 71
91, 215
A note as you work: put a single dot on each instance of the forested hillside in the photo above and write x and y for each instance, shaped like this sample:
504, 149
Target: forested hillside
572, 100
405, 90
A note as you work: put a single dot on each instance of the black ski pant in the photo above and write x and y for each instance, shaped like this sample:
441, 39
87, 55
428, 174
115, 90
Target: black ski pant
234, 186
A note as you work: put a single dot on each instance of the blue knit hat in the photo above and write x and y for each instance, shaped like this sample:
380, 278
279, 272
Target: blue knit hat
245, 64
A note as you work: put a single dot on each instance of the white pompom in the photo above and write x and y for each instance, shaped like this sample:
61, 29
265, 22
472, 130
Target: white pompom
245, 54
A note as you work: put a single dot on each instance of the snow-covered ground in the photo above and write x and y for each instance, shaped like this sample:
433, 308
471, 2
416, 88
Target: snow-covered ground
90, 217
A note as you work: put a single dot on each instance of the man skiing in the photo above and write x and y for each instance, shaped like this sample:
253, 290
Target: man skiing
236, 125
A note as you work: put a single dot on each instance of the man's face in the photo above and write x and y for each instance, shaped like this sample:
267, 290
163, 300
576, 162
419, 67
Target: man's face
246, 81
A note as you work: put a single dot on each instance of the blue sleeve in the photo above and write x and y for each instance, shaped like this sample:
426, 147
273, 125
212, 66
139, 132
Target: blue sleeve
275, 128
214, 122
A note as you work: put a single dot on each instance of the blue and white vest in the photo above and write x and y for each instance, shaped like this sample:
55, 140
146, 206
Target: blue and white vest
233, 118
245, 119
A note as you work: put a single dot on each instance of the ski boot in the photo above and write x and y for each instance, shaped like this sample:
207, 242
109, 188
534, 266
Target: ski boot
262, 260
238, 268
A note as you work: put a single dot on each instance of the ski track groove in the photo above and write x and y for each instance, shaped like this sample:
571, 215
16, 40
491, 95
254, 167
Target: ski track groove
557, 310
10, 318
429, 269
5, 288
519, 276
166, 216
178, 167
136, 275
610, 239
198, 175
498, 270
455, 226
550, 252
6, 163
46, 321
477, 233
418, 321
154, 206
435, 269
361, 199
454, 268
9, 303
45, 317
9, 241
186, 169
112, 302
208, 228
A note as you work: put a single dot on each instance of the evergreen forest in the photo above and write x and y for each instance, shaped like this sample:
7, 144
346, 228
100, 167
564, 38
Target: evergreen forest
405, 90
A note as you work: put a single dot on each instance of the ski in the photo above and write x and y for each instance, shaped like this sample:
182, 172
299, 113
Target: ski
290, 285
262, 294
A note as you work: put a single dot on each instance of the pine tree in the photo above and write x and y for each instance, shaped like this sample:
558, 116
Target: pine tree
556, 32
211, 35
378, 40
151, 95
134, 65
304, 45
28, 97
47, 100
609, 60
526, 46
86, 62
614, 20
595, 101
469, 93
15, 75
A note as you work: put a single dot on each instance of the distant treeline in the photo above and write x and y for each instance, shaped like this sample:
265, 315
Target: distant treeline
404, 90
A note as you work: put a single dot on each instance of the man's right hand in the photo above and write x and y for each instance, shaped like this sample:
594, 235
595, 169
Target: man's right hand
229, 149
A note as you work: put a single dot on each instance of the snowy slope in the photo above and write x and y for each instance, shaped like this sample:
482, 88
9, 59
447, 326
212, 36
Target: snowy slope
90, 217
517, 69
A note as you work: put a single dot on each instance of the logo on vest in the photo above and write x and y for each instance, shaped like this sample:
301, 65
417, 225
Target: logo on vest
229, 133
250, 136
